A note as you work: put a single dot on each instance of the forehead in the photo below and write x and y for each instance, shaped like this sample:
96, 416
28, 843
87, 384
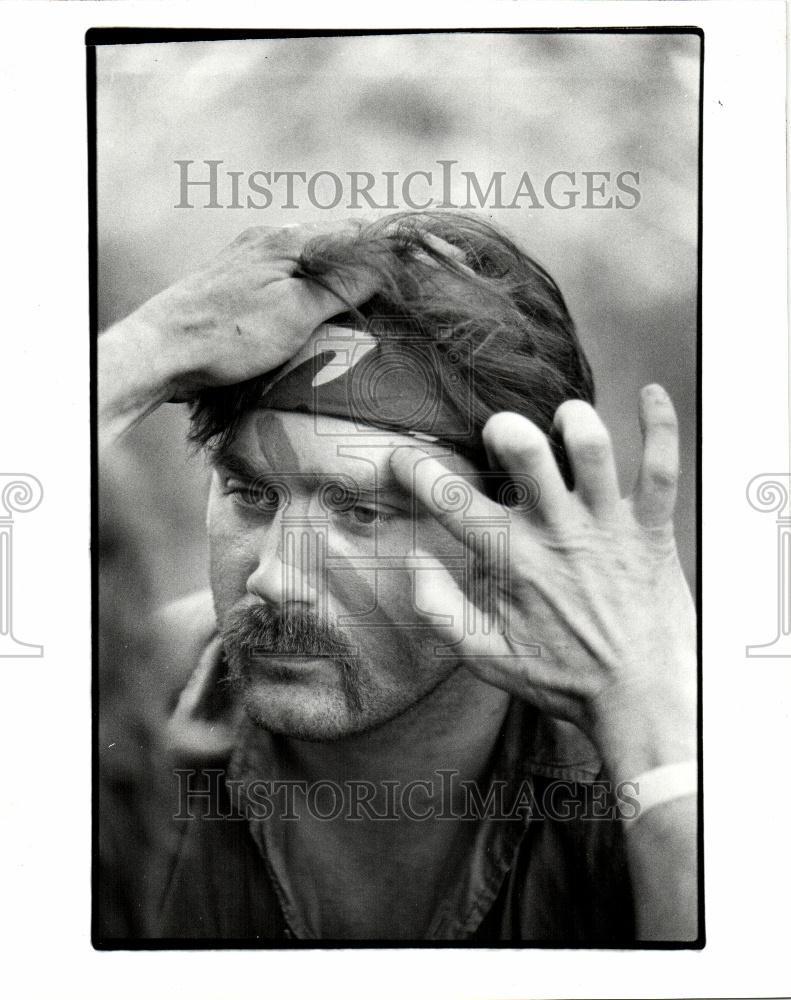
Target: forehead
323, 446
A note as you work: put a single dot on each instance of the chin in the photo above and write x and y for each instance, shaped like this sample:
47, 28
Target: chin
322, 705
318, 718
325, 715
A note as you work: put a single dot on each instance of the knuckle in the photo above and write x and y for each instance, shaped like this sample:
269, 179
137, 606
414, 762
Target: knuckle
279, 239
524, 448
251, 235
665, 420
662, 477
348, 224
589, 444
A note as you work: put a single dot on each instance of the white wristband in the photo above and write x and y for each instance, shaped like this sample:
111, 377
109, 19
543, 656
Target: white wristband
663, 784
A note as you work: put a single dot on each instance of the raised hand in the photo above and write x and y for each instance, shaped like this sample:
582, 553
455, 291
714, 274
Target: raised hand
243, 314
591, 578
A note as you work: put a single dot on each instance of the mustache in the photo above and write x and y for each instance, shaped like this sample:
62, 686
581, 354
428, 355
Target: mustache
261, 629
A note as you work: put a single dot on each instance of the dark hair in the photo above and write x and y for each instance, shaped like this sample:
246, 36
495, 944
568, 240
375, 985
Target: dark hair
524, 351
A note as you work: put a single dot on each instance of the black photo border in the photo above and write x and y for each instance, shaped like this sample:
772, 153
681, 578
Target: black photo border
96, 37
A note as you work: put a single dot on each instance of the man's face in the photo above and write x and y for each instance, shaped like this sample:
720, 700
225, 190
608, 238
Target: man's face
309, 537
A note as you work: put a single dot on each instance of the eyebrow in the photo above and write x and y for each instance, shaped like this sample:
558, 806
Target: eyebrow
246, 469
232, 462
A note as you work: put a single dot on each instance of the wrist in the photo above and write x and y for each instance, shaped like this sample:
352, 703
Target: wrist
661, 785
631, 754
646, 732
134, 375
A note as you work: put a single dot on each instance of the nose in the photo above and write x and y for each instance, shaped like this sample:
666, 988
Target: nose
291, 560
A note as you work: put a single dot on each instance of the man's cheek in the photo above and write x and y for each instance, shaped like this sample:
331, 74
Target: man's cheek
230, 563
432, 541
359, 573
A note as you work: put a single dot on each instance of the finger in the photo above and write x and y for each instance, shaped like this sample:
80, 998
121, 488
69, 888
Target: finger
446, 249
315, 303
588, 446
308, 301
326, 296
443, 247
449, 496
438, 598
517, 446
465, 628
655, 497
290, 240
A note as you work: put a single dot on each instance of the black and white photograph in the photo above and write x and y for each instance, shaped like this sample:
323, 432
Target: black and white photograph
397, 383
395, 500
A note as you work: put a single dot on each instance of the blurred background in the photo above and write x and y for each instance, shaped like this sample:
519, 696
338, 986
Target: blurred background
512, 103
536, 103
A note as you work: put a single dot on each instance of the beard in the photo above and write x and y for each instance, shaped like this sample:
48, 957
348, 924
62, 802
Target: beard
258, 632
355, 702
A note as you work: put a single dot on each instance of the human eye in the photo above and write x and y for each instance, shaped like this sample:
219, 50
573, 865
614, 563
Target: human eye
232, 484
252, 494
369, 515
347, 507
241, 490
363, 519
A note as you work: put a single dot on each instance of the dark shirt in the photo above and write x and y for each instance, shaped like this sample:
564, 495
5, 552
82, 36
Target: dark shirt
545, 862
